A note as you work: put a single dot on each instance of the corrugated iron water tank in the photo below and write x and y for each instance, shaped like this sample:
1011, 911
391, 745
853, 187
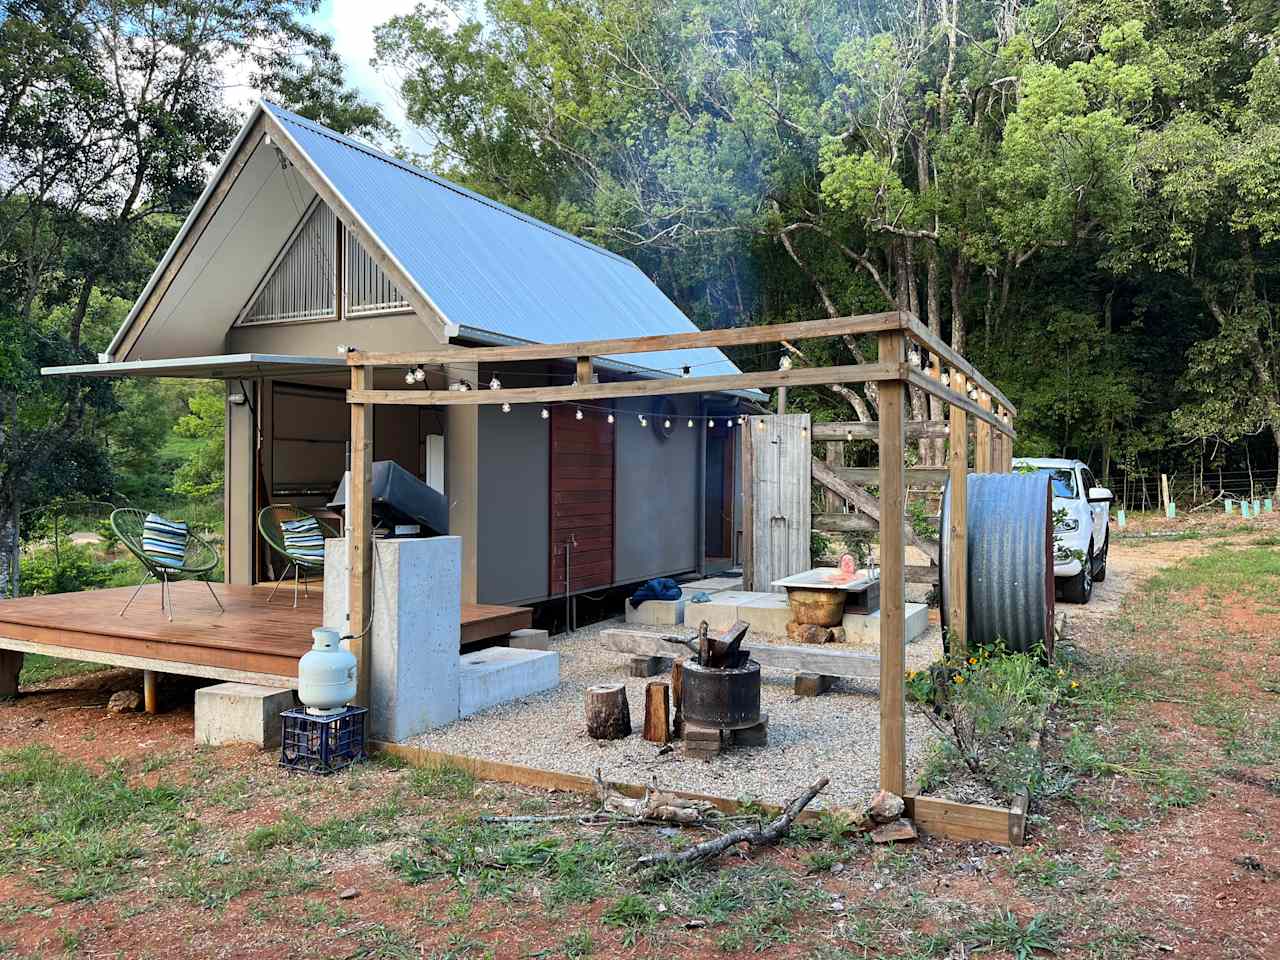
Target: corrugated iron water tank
1011, 589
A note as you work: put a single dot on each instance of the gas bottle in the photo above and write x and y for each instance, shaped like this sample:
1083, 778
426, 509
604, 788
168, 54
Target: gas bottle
326, 674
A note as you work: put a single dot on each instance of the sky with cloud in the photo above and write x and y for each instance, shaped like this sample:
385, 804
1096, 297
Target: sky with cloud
351, 24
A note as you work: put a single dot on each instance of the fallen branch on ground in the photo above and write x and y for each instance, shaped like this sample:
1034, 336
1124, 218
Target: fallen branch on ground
654, 805
752, 836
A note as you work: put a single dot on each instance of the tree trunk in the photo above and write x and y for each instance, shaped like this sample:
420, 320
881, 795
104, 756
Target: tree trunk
608, 713
9, 553
959, 288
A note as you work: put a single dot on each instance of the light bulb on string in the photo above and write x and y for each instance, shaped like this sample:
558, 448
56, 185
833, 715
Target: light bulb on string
419, 374
578, 415
848, 435
666, 424
545, 413
610, 418
784, 363
495, 383
946, 379
690, 424
914, 356
759, 424
506, 407
684, 371
408, 377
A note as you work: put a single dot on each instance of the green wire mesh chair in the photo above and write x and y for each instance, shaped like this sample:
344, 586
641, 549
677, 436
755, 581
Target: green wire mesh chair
200, 559
270, 520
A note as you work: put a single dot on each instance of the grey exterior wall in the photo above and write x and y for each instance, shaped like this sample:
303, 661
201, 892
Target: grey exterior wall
657, 493
514, 517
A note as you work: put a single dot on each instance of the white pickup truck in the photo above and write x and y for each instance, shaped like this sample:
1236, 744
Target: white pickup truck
1082, 537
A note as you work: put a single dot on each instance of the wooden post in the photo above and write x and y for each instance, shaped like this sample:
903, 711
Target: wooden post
360, 532
782, 400
958, 527
747, 433
982, 438
893, 717
1164, 492
933, 367
149, 691
584, 371
832, 501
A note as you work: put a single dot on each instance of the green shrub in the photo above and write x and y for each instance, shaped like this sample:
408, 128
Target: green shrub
68, 569
987, 706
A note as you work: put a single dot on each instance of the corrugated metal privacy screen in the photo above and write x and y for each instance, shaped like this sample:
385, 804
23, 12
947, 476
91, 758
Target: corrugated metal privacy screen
300, 284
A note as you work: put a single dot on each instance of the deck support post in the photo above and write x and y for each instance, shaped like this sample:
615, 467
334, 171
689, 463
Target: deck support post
958, 527
149, 691
982, 438
10, 668
360, 532
893, 717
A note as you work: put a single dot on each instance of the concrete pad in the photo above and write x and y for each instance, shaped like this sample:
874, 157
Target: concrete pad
529, 639
500, 674
657, 613
721, 612
241, 713
767, 613
865, 628
711, 585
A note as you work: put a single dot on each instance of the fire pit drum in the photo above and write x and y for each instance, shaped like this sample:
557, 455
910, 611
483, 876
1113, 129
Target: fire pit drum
728, 698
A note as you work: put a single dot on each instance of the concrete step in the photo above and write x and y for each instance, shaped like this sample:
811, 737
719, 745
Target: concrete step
499, 674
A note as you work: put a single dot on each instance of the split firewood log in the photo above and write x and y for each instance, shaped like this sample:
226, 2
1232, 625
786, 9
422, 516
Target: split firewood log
608, 713
656, 804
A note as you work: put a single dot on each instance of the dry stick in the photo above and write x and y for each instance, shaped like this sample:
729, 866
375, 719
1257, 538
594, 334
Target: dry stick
752, 836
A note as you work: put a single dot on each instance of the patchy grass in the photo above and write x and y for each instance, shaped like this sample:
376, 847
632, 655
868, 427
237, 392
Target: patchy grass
37, 668
85, 828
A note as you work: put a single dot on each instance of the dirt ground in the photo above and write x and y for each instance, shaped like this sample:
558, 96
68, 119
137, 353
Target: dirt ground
1156, 831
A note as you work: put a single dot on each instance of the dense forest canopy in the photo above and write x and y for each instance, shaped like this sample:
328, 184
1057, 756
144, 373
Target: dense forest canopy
1080, 195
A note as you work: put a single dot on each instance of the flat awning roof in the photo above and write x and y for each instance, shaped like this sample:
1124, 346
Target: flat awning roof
228, 366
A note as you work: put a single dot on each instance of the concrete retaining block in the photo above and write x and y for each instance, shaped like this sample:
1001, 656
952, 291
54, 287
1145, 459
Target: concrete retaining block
241, 713
657, 613
499, 674
767, 613
529, 639
865, 628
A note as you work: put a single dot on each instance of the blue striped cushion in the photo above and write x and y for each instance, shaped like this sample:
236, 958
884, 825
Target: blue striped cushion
164, 541
303, 539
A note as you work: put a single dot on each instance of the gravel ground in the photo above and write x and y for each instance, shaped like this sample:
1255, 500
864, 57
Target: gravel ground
836, 734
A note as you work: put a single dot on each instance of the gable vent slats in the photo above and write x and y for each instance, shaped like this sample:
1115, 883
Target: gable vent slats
368, 289
300, 285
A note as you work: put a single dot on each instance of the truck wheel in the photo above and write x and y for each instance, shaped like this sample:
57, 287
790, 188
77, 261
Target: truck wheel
1080, 587
1100, 574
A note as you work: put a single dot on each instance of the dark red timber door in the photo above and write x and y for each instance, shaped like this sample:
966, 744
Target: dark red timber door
581, 499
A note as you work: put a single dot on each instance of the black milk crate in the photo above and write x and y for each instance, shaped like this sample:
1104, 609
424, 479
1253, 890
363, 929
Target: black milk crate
322, 744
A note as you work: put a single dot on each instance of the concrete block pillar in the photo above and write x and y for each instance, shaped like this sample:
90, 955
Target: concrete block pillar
416, 630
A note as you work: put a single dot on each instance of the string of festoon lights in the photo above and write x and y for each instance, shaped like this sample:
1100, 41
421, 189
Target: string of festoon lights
914, 356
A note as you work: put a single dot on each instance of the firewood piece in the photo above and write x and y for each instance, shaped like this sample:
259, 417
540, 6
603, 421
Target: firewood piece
752, 836
704, 644
657, 712
812, 684
608, 713
809, 633
654, 805
677, 685
645, 666
723, 649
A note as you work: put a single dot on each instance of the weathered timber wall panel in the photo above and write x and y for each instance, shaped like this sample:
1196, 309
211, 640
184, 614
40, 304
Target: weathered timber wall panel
781, 497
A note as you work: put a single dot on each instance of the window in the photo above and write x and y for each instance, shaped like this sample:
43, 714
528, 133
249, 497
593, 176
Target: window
1063, 480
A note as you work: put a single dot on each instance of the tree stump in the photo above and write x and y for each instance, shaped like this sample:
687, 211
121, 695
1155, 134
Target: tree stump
657, 712
608, 713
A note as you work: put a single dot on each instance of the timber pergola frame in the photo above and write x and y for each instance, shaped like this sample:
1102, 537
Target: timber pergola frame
968, 393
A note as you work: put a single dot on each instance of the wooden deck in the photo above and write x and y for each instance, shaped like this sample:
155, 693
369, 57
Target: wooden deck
253, 642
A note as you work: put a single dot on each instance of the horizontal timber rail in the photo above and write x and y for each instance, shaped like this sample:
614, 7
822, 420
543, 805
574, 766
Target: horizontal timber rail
797, 376
870, 430
728, 337
918, 378
918, 332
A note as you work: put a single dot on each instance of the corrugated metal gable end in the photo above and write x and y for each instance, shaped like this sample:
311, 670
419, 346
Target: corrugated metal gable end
490, 268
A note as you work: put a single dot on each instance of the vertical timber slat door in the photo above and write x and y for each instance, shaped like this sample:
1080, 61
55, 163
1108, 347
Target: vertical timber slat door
581, 499
781, 514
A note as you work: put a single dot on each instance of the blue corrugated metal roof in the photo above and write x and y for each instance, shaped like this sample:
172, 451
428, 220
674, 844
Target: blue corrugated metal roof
494, 270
